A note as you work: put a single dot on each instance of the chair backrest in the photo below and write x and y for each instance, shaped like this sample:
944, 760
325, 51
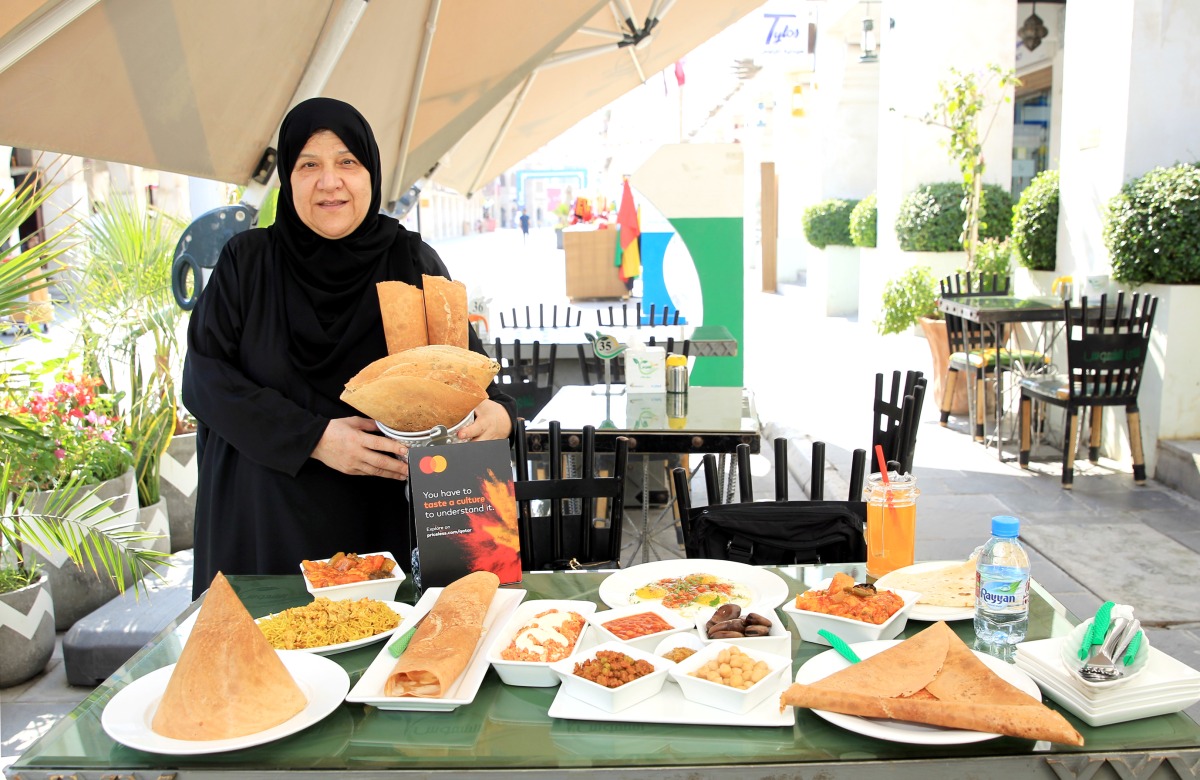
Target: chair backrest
542, 320
896, 419
550, 541
527, 374
592, 367
653, 316
1106, 348
685, 346
965, 336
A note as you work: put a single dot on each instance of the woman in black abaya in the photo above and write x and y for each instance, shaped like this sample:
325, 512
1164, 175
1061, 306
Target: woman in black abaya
287, 470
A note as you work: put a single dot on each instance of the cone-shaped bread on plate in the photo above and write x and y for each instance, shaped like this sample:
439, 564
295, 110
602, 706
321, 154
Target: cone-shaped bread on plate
402, 307
445, 311
416, 403
229, 681
480, 369
442, 647
934, 678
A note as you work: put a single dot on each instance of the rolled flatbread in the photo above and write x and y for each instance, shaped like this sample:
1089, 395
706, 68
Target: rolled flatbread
934, 678
445, 641
445, 311
402, 307
229, 681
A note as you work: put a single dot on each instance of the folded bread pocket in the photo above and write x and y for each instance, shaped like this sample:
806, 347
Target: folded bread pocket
402, 307
416, 403
229, 681
445, 311
446, 640
934, 678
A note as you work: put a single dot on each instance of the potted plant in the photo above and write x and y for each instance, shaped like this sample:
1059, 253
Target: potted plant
832, 272
70, 521
864, 220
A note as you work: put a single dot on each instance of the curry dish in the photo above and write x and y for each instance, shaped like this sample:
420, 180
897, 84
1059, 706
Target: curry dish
843, 598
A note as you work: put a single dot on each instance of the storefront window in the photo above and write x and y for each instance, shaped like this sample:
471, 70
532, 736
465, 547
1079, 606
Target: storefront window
1031, 138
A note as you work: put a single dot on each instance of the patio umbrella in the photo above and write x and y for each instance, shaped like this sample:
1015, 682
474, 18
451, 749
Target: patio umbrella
614, 51
199, 87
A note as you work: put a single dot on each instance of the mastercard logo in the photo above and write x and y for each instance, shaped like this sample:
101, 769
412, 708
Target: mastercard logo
432, 464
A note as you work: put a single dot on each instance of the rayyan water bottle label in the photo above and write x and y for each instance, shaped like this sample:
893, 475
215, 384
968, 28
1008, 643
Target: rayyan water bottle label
1005, 596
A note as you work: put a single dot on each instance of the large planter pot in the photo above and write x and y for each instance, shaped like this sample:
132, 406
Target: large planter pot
179, 475
26, 632
79, 590
833, 280
154, 519
939, 349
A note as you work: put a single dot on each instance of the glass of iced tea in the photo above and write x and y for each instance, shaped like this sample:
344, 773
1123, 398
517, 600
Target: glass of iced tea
891, 522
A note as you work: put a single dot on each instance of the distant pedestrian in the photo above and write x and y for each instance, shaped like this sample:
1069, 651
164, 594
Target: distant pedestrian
524, 227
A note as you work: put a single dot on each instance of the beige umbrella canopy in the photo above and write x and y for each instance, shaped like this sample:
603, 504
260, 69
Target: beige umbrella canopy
199, 87
604, 59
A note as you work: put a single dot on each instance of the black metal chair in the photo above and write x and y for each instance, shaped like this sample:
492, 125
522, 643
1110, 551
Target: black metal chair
1106, 352
897, 418
592, 367
566, 538
783, 531
654, 316
527, 376
541, 321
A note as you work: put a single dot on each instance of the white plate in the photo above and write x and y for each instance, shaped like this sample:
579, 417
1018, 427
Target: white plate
670, 706
821, 666
765, 589
127, 716
401, 609
927, 612
369, 688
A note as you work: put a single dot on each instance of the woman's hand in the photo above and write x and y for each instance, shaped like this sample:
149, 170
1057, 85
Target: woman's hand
491, 422
350, 446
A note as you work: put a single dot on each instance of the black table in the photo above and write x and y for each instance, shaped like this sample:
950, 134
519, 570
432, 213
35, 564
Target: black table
995, 312
506, 731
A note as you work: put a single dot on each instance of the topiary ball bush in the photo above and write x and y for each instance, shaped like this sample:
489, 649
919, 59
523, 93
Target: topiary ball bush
1035, 223
931, 217
863, 219
1152, 228
828, 222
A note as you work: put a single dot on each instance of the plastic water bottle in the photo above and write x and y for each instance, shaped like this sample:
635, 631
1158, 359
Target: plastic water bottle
1002, 586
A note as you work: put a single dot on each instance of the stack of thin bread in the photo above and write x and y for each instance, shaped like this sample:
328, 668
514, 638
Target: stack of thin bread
933, 678
429, 377
229, 681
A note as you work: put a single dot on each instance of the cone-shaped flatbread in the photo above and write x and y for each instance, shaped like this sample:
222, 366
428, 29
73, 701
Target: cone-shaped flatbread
445, 311
446, 640
402, 307
229, 681
416, 403
934, 678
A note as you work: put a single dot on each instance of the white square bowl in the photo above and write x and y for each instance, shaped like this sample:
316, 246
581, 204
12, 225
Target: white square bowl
612, 699
534, 674
649, 641
809, 623
712, 694
381, 590
777, 642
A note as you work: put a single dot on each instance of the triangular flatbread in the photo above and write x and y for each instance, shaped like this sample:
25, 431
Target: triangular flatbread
934, 678
445, 311
229, 681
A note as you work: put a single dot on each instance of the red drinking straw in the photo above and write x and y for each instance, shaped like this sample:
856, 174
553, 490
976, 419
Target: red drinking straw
887, 488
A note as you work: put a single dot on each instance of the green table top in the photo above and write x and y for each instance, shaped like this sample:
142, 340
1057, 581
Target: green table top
506, 730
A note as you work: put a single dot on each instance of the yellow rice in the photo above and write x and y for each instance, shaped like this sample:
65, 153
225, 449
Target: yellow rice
325, 622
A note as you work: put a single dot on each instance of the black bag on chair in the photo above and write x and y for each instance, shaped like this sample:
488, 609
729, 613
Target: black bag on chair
780, 533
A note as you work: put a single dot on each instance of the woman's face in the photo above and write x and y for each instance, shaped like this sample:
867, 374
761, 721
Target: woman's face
331, 189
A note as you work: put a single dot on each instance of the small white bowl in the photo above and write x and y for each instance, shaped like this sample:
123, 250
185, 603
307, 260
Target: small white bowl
612, 699
421, 438
778, 641
381, 590
534, 674
722, 696
669, 643
1069, 653
809, 623
647, 642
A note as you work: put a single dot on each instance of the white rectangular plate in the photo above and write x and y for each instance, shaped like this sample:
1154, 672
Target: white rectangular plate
369, 688
670, 706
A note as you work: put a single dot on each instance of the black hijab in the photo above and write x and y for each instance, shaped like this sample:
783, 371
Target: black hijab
329, 282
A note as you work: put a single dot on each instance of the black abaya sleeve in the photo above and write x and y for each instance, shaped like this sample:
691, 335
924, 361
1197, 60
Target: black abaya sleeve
259, 422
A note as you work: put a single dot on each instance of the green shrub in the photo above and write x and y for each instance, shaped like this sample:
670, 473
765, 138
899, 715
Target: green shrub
931, 217
993, 257
1152, 229
906, 298
1035, 223
863, 220
828, 222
